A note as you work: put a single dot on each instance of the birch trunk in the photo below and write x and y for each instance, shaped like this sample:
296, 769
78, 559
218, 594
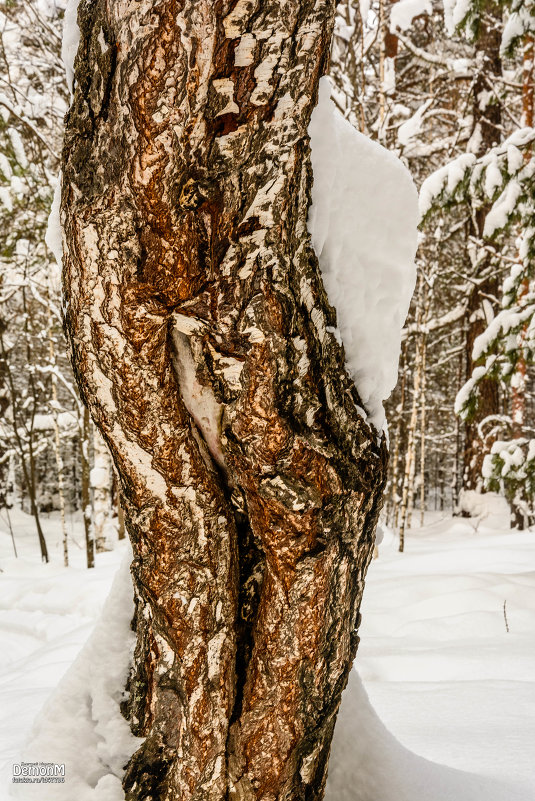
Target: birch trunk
24, 442
395, 497
407, 491
85, 426
250, 486
121, 532
57, 434
100, 480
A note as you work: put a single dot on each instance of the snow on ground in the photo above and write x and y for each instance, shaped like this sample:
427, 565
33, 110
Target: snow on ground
440, 671
47, 613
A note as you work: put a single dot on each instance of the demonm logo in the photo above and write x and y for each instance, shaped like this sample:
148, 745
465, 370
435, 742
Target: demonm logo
38, 772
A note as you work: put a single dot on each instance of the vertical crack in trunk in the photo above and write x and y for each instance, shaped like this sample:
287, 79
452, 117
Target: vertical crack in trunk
205, 410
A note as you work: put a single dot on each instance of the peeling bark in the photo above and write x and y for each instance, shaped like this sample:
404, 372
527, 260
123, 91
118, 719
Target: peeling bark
250, 483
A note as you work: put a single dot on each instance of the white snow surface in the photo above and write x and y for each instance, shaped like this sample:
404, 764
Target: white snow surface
363, 223
502, 209
403, 13
454, 13
442, 680
520, 22
80, 724
441, 671
482, 505
447, 177
410, 129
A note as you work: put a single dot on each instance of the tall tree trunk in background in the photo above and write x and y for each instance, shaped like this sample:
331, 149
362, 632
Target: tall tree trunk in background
519, 515
394, 498
388, 51
251, 490
486, 133
6, 466
101, 484
475, 447
4, 391
57, 433
422, 431
518, 396
85, 429
23, 440
456, 474
121, 533
407, 490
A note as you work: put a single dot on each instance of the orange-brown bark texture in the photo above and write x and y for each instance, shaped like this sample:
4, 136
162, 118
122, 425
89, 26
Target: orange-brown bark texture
203, 344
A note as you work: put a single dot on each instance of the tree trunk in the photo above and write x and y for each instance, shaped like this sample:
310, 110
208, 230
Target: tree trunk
518, 395
86, 489
101, 480
410, 454
395, 498
25, 449
121, 533
518, 390
475, 446
422, 431
57, 434
486, 133
250, 488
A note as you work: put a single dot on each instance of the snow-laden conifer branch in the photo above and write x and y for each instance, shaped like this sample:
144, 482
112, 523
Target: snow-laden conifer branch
504, 177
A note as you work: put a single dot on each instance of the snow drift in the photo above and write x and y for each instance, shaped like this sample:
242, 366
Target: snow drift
81, 724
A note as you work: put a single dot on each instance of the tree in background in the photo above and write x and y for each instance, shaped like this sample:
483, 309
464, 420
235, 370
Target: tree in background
495, 182
459, 84
32, 104
46, 451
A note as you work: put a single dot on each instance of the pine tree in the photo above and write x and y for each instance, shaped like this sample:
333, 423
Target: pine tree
496, 183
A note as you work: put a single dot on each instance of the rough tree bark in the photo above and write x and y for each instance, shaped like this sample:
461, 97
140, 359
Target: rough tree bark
198, 324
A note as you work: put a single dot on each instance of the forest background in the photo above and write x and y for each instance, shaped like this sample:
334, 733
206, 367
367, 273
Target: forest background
450, 90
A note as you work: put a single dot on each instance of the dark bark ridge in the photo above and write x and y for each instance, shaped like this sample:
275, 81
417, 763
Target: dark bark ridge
201, 340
